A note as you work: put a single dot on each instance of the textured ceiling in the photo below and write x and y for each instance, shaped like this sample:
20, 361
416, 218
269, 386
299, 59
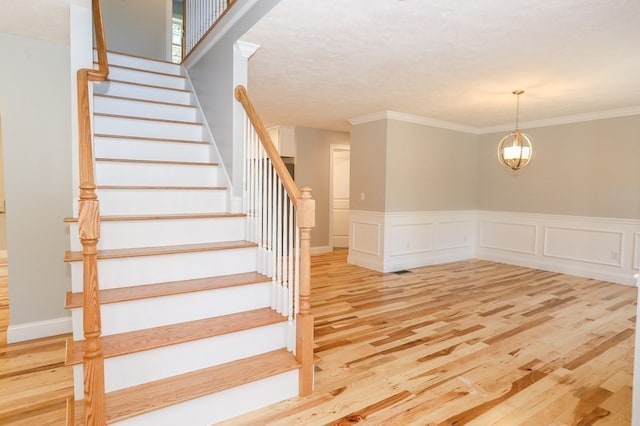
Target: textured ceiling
323, 62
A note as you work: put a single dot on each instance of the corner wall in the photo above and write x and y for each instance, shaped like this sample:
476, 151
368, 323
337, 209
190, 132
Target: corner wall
312, 164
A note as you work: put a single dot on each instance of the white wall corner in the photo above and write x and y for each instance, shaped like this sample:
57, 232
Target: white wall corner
38, 329
81, 56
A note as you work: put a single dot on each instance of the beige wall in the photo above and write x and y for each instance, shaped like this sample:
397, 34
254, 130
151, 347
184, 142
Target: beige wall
584, 169
312, 169
36, 134
368, 166
429, 168
3, 216
138, 27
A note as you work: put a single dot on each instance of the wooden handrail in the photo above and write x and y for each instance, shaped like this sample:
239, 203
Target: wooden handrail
305, 220
89, 230
267, 144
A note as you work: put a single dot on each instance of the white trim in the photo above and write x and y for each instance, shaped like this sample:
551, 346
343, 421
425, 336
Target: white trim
247, 49
600, 248
555, 121
567, 119
38, 329
320, 250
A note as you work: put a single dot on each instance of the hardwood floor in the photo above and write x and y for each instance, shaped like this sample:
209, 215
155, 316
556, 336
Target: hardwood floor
471, 342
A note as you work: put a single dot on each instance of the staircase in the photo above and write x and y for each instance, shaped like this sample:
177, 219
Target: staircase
188, 333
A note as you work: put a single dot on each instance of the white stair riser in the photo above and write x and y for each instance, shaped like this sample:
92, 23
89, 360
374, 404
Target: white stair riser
142, 92
147, 366
146, 128
150, 150
152, 312
141, 63
151, 78
114, 173
154, 233
143, 109
156, 201
223, 405
114, 273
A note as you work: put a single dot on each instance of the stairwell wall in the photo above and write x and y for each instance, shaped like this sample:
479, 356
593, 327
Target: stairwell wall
214, 76
139, 27
36, 130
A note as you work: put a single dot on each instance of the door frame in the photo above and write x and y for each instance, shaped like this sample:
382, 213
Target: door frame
333, 148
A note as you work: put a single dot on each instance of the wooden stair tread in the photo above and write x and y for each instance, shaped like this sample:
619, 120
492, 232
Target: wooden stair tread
123, 294
143, 85
149, 139
167, 162
133, 117
142, 340
143, 70
148, 101
125, 218
75, 256
190, 188
130, 402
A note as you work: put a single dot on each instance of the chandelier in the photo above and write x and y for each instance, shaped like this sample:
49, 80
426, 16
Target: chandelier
515, 149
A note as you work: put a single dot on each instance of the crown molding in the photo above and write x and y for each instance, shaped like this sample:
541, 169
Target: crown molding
246, 48
555, 121
410, 118
566, 119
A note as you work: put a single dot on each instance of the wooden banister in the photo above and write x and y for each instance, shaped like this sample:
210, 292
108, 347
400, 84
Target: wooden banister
305, 219
89, 230
267, 144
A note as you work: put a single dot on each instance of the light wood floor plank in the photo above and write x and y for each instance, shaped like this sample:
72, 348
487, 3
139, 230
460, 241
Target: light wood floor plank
473, 342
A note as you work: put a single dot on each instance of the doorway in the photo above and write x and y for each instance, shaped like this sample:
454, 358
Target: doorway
339, 196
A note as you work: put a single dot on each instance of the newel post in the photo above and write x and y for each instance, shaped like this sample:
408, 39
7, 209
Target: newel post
89, 230
304, 319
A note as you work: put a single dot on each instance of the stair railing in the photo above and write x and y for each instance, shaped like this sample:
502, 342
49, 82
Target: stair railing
279, 219
89, 230
200, 16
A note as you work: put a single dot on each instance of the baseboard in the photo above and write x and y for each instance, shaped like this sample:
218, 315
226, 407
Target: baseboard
365, 261
38, 329
397, 263
320, 250
561, 268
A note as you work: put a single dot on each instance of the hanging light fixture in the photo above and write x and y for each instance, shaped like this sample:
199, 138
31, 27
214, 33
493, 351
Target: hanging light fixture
515, 149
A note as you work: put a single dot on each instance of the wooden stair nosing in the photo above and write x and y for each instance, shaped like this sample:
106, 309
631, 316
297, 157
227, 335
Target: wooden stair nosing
143, 85
149, 139
142, 340
159, 120
148, 101
164, 187
76, 256
163, 162
143, 70
137, 400
146, 291
125, 218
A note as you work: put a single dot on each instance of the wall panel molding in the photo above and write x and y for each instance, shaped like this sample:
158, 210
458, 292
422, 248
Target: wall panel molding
600, 248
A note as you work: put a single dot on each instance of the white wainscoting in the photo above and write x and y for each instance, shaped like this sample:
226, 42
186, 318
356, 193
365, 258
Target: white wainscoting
599, 248
389, 242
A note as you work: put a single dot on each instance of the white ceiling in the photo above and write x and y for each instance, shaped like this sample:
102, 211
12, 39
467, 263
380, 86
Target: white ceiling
40, 19
323, 62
